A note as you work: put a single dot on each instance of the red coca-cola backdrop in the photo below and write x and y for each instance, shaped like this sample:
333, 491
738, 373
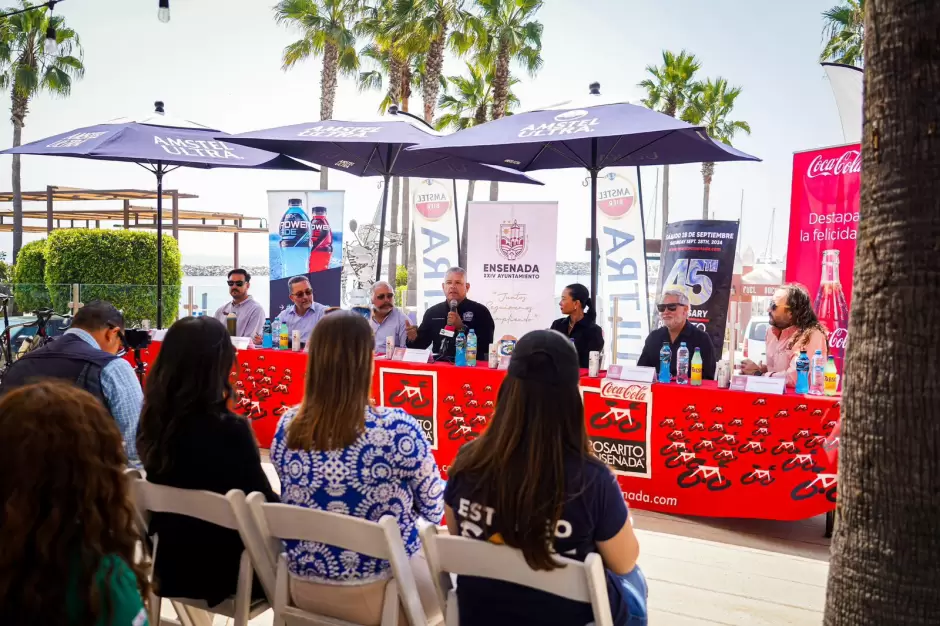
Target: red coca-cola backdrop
824, 213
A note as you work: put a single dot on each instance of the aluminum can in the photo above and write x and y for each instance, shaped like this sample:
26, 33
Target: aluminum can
594, 364
389, 347
494, 356
723, 375
295, 341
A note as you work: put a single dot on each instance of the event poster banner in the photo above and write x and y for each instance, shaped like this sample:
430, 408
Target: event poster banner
699, 260
434, 225
824, 214
511, 263
622, 265
619, 416
305, 239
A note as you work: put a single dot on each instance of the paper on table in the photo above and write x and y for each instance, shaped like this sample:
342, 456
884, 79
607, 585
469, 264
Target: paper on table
413, 355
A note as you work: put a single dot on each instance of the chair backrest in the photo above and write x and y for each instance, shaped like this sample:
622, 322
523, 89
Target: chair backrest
581, 582
204, 505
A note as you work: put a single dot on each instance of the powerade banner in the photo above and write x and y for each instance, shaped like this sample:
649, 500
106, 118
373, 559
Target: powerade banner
824, 214
699, 260
622, 265
305, 238
432, 208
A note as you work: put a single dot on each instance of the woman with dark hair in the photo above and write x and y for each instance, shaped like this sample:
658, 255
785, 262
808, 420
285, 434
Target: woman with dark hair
189, 438
531, 481
67, 527
336, 452
580, 325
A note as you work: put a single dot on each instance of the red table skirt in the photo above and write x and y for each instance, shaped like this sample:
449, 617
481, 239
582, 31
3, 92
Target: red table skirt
676, 449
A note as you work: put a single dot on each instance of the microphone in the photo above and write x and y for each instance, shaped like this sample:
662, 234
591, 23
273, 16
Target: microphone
448, 331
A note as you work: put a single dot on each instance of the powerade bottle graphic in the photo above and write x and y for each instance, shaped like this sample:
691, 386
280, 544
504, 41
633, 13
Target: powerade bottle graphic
321, 240
275, 260
294, 230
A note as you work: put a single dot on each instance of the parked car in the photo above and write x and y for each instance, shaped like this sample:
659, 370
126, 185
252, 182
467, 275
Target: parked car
755, 335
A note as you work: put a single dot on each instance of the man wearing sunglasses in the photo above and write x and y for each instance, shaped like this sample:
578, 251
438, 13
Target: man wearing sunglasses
305, 313
249, 314
386, 319
673, 309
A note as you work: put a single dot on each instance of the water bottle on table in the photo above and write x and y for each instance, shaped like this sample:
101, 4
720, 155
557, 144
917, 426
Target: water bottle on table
831, 378
472, 349
682, 364
665, 363
802, 373
817, 374
697, 368
266, 341
460, 352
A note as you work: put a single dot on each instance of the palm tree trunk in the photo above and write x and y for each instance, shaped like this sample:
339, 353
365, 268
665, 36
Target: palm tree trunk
393, 228
464, 237
434, 65
18, 111
395, 76
328, 94
708, 170
500, 98
885, 553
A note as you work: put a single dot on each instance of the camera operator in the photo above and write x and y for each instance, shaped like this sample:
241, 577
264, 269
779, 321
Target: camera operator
86, 356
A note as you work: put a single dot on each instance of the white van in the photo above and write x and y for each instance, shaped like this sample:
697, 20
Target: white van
755, 335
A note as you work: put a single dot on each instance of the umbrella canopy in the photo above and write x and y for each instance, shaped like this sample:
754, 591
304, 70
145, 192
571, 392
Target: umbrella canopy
373, 148
160, 144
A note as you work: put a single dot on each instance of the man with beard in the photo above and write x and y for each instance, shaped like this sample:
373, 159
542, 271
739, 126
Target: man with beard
793, 327
249, 314
673, 308
466, 315
386, 319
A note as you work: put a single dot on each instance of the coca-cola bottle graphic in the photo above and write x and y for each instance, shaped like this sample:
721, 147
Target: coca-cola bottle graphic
321, 240
831, 308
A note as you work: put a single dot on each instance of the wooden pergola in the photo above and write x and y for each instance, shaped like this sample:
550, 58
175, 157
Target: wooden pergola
131, 216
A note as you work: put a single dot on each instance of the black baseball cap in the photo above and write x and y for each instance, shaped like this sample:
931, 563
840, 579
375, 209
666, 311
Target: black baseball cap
545, 356
97, 315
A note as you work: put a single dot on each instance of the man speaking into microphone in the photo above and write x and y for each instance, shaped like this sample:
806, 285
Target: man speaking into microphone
442, 322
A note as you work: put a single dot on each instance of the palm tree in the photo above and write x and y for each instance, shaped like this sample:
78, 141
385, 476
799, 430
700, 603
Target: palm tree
505, 32
710, 106
327, 27
469, 105
26, 70
668, 91
844, 32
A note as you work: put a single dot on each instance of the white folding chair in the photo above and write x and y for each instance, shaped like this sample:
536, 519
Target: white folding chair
274, 523
213, 508
581, 582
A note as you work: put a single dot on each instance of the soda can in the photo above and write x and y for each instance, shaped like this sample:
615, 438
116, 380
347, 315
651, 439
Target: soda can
494, 356
506, 346
389, 347
723, 375
594, 364
145, 324
295, 341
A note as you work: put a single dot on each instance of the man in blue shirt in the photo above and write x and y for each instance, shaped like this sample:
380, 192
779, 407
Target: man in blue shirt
86, 355
386, 319
305, 313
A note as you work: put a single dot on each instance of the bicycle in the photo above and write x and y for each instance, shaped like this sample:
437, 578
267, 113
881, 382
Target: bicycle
28, 344
708, 474
410, 394
823, 483
758, 475
621, 417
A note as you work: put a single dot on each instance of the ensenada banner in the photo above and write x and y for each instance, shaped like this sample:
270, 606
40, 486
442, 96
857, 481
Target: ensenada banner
511, 263
824, 214
434, 225
622, 266
699, 260
305, 238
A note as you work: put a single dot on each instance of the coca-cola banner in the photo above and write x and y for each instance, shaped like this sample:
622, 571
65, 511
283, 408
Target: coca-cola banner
824, 213
619, 418
699, 260
432, 205
622, 265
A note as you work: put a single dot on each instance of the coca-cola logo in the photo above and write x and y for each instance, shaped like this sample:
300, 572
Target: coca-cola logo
850, 162
629, 393
839, 339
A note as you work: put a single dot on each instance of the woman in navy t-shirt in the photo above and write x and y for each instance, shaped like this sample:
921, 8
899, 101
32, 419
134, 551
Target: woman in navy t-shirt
531, 471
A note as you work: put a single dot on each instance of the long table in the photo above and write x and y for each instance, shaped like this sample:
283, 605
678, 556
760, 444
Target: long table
677, 449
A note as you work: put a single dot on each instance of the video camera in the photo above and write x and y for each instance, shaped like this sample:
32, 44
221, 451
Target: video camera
136, 338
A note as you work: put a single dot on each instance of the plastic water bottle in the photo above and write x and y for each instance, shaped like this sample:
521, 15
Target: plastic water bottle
682, 364
830, 378
472, 349
665, 363
460, 353
802, 373
697, 368
294, 229
275, 261
284, 338
266, 341
817, 374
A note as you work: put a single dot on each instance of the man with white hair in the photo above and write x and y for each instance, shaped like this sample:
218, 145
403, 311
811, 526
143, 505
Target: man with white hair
673, 309
465, 315
386, 319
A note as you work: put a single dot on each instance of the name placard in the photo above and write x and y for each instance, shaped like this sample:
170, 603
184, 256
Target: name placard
765, 384
241, 343
637, 373
413, 355
399, 354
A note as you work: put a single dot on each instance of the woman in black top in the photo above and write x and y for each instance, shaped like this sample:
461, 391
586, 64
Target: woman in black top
189, 438
580, 325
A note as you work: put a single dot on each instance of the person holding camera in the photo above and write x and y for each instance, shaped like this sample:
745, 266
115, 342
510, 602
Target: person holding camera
86, 356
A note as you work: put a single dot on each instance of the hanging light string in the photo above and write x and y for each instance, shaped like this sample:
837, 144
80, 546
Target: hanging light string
45, 5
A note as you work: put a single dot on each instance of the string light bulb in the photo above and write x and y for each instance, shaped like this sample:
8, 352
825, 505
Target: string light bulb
51, 46
163, 13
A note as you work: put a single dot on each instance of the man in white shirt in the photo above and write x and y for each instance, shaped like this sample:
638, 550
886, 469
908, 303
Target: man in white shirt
249, 313
386, 319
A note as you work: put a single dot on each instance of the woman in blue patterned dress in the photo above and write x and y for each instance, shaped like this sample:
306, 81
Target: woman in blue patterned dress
335, 452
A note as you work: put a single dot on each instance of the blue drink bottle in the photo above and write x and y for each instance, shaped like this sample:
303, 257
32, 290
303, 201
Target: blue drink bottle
294, 230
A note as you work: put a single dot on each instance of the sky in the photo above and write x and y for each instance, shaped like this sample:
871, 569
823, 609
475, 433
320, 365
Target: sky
218, 62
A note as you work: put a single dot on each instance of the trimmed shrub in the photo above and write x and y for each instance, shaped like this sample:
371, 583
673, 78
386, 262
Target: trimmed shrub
119, 266
29, 283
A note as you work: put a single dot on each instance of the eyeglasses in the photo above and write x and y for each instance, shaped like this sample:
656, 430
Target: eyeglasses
384, 296
232, 283
672, 307
305, 292
774, 306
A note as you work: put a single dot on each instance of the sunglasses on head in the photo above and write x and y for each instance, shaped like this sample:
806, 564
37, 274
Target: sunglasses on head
664, 307
384, 296
232, 283
305, 292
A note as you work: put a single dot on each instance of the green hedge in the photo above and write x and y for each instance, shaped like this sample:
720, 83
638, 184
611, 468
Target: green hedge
115, 265
29, 283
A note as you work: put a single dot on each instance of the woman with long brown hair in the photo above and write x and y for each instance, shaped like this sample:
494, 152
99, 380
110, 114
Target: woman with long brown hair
67, 525
531, 481
337, 453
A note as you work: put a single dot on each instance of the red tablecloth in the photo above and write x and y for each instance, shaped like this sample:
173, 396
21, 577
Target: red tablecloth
677, 449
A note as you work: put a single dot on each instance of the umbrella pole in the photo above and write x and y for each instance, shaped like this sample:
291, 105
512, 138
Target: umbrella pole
456, 218
646, 269
378, 264
594, 220
159, 173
